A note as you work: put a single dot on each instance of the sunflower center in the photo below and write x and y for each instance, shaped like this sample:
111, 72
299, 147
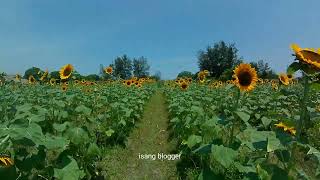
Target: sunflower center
245, 78
67, 71
184, 86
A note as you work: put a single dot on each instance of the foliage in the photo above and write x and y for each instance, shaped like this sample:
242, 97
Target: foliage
123, 67
264, 70
34, 71
54, 134
226, 141
140, 67
218, 58
185, 74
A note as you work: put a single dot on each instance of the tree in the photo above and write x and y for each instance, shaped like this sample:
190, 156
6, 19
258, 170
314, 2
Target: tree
34, 71
218, 58
157, 76
92, 77
123, 67
263, 70
186, 74
140, 67
55, 75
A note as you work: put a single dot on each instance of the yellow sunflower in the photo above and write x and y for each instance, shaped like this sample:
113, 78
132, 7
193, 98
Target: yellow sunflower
128, 83
66, 71
284, 79
6, 161
18, 77
246, 77
308, 56
32, 80
286, 128
184, 85
77, 81
108, 70
64, 88
52, 81
45, 74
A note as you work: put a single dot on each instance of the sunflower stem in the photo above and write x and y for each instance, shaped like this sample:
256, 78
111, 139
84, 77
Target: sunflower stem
235, 107
303, 108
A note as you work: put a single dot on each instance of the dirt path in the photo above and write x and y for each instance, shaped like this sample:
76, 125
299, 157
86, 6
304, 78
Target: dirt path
150, 137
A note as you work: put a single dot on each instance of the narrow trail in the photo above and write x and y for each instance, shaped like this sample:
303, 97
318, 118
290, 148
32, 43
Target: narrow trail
150, 137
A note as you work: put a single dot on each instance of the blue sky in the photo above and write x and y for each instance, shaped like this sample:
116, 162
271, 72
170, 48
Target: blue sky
51, 33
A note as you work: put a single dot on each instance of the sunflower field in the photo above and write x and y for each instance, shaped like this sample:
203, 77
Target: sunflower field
59, 131
243, 128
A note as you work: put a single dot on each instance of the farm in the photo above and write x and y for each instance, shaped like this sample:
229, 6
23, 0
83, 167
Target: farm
243, 128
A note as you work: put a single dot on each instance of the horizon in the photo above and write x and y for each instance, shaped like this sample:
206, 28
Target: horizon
169, 34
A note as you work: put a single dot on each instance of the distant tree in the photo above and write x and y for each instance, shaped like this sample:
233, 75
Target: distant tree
123, 67
34, 71
263, 70
218, 58
55, 75
186, 74
157, 76
92, 77
140, 67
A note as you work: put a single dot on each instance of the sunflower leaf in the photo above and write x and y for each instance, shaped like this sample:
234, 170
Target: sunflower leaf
294, 67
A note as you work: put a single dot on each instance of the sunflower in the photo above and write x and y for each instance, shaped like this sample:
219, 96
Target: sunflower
184, 85
52, 81
202, 78
18, 77
32, 80
6, 161
128, 83
64, 88
77, 81
45, 74
260, 81
246, 77
139, 85
286, 128
66, 83
307, 56
83, 81
108, 70
66, 71
284, 79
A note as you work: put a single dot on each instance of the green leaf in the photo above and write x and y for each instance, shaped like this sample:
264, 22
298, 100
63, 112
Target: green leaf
263, 174
78, 136
69, 172
61, 127
83, 109
293, 67
93, 150
224, 155
109, 132
55, 142
266, 121
243, 116
193, 140
244, 169
273, 144
315, 86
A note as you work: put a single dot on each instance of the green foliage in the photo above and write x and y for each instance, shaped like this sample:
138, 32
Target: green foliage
140, 67
34, 72
51, 134
185, 74
264, 70
123, 67
217, 58
241, 142
92, 77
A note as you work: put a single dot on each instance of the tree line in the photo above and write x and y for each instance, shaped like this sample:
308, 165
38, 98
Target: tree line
220, 60
123, 68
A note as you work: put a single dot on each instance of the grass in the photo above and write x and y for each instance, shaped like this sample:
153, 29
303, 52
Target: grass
150, 137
